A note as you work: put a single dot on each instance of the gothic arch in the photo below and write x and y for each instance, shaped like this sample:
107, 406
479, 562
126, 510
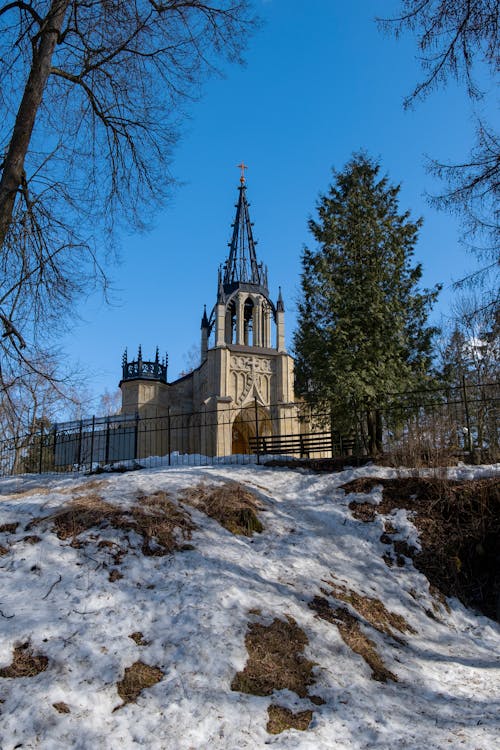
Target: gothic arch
245, 425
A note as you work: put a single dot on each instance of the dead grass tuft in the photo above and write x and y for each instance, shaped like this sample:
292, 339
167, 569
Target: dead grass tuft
232, 505
281, 719
275, 660
62, 707
137, 678
31, 539
3, 550
115, 575
8, 528
25, 663
155, 518
353, 637
372, 610
159, 521
138, 638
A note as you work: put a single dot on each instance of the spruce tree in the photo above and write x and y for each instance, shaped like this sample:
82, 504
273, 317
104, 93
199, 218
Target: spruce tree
362, 330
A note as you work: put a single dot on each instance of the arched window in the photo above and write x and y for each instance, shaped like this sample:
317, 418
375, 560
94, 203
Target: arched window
231, 323
248, 312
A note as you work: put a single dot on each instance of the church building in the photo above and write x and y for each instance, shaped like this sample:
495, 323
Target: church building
244, 385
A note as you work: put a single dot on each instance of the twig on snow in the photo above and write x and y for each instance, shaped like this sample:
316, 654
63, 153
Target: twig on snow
54, 584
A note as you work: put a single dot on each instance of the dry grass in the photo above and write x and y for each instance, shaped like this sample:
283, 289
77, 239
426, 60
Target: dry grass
231, 504
372, 610
275, 660
44, 490
3, 550
137, 678
459, 531
62, 707
353, 637
138, 638
281, 719
8, 528
161, 524
25, 663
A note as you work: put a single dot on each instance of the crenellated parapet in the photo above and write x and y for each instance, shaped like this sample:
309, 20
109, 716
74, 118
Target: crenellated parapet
141, 369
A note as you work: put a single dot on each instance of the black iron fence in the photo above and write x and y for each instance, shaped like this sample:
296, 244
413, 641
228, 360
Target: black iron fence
460, 420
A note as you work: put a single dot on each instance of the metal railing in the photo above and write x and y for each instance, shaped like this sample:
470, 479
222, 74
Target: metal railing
462, 420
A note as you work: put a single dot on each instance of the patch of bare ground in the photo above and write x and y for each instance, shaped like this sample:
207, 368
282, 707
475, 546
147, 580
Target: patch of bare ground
459, 532
281, 719
352, 635
275, 660
230, 504
31, 539
25, 663
137, 678
372, 610
8, 528
321, 464
43, 490
3, 550
160, 522
61, 707
138, 638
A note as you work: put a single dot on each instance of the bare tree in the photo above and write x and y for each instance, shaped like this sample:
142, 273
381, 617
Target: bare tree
457, 39
92, 93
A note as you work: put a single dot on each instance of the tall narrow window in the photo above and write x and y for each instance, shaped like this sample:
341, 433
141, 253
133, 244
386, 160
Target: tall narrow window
248, 322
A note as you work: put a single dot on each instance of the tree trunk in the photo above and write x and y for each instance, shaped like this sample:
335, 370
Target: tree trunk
378, 430
374, 426
13, 167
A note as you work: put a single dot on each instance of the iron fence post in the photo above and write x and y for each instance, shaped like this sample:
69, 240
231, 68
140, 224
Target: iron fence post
41, 450
54, 443
136, 434
80, 437
106, 456
257, 428
92, 443
467, 417
168, 437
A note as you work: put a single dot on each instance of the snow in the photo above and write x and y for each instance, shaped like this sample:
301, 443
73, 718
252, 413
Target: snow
193, 609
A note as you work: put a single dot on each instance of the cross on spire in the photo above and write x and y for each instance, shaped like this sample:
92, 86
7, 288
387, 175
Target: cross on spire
242, 166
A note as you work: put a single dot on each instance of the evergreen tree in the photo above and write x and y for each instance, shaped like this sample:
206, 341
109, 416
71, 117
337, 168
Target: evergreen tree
362, 329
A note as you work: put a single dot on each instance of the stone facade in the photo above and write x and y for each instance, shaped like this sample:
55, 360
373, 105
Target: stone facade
244, 383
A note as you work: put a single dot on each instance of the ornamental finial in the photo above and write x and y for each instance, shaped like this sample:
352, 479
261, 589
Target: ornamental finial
242, 166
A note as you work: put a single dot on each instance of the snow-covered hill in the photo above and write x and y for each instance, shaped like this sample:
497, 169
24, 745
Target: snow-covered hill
85, 607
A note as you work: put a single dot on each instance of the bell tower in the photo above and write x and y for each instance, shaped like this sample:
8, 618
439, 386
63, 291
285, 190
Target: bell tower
244, 315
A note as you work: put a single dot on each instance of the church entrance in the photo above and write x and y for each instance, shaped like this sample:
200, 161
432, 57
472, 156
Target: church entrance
245, 426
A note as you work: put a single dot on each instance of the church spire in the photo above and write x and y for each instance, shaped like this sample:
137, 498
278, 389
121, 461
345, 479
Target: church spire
241, 266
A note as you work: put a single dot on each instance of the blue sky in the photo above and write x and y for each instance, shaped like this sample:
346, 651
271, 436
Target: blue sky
320, 82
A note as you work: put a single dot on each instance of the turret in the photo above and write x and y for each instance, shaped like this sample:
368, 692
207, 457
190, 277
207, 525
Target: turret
205, 332
280, 323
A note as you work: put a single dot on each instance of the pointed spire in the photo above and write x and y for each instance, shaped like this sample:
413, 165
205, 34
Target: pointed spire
220, 289
157, 356
280, 306
125, 358
204, 320
241, 266
139, 354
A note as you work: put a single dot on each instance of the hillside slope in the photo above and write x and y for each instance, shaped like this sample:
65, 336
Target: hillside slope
131, 618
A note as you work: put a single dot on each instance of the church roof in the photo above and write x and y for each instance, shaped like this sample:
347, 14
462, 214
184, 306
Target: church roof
241, 268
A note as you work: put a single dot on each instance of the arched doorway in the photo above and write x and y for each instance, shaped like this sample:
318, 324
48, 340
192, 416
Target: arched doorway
245, 426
